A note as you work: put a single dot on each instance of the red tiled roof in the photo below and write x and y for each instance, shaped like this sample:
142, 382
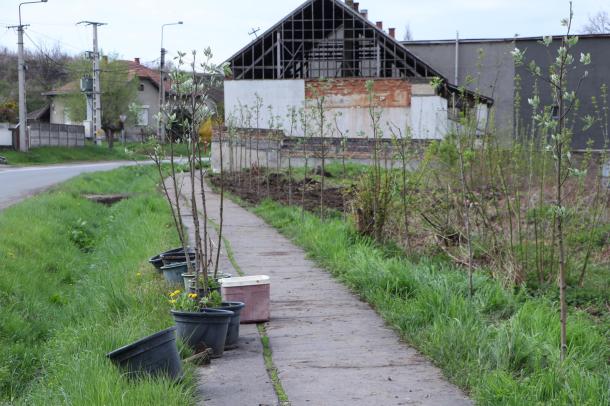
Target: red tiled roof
68, 88
134, 69
144, 72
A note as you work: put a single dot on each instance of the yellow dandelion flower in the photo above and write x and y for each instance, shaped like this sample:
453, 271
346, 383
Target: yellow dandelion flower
193, 295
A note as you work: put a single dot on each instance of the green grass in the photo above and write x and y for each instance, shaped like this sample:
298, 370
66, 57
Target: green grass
271, 368
502, 347
75, 285
54, 155
338, 177
88, 153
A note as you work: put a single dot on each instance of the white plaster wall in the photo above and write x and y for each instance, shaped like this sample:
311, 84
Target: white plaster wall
428, 117
356, 121
6, 135
482, 113
58, 115
280, 94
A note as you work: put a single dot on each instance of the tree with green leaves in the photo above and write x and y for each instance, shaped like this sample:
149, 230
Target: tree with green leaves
558, 122
119, 94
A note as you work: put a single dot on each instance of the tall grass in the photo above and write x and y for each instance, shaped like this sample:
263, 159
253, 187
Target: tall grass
75, 285
501, 346
88, 153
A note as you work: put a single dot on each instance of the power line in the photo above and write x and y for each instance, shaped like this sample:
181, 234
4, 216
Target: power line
124, 70
58, 40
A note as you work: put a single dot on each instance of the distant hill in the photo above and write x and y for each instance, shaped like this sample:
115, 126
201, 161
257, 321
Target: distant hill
46, 69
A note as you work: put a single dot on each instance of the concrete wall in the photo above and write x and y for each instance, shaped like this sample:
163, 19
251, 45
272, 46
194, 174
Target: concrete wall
598, 75
64, 135
247, 148
347, 104
280, 94
489, 65
401, 104
428, 113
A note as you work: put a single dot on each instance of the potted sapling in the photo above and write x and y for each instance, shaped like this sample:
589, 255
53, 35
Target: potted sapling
200, 321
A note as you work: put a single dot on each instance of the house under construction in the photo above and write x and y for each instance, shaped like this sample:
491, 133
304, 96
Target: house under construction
330, 49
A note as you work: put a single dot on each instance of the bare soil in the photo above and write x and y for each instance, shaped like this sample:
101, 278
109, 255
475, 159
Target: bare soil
252, 188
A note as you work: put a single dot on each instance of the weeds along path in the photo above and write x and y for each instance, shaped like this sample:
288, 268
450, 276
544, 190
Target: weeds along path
329, 348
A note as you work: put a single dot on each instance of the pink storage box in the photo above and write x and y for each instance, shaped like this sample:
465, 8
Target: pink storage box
254, 291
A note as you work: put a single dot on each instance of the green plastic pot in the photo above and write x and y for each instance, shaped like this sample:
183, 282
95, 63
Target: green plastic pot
173, 272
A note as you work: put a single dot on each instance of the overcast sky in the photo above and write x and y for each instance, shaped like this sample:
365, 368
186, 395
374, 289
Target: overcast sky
134, 26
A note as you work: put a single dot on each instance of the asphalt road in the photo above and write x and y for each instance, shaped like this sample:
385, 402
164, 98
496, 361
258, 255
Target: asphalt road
19, 183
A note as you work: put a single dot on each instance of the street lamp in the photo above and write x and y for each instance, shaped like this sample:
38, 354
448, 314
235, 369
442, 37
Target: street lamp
24, 145
28, 2
161, 127
122, 119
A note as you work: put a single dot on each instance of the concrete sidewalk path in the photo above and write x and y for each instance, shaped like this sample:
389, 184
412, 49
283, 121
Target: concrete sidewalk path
329, 347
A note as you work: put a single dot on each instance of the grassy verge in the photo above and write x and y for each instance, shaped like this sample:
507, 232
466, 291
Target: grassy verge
75, 285
502, 347
54, 155
88, 153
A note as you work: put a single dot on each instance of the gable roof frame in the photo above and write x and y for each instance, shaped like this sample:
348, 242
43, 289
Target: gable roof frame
266, 56
409, 62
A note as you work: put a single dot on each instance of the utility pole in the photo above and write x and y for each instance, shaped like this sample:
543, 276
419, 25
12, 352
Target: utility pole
161, 127
24, 142
97, 90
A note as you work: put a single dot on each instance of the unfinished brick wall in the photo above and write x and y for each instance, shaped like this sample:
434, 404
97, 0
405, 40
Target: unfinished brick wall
239, 149
352, 92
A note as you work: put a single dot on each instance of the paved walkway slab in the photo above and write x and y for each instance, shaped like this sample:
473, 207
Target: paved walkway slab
329, 347
239, 377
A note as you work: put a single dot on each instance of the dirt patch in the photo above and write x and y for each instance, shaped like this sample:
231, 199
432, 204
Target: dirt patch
306, 193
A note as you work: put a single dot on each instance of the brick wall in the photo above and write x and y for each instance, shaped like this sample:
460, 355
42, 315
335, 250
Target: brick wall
244, 143
352, 92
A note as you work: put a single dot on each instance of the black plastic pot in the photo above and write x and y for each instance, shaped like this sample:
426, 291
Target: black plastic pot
205, 329
169, 258
157, 262
154, 355
173, 272
233, 330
